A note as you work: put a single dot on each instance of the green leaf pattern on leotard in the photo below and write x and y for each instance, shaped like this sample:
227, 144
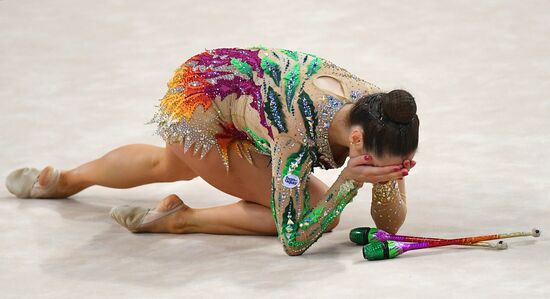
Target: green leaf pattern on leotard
260, 143
242, 67
345, 194
271, 68
273, 205
292, 79
295, 161
292, 54
299, 223
273, 108
313, 66
308, 113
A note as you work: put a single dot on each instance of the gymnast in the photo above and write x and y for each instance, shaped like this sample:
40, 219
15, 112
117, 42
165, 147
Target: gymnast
272, 115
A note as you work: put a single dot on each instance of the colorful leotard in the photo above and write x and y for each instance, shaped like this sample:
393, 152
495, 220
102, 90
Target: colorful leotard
265, 100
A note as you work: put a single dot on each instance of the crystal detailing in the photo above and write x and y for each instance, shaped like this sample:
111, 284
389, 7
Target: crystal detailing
355, 95
328, 108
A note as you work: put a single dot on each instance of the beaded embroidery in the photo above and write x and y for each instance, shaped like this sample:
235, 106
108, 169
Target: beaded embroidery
264, 99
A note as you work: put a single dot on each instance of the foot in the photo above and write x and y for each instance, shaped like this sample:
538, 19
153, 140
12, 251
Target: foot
169, 202
29, 182
57, 191
173, 223
43, 178
141, 220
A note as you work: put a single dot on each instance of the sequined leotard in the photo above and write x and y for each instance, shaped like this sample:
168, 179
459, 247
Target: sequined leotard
265, 99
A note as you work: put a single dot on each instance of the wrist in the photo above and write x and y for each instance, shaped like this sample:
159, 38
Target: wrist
385, 192
346, 176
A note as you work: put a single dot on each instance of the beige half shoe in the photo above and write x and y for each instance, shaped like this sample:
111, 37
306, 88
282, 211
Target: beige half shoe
134, 218
23, 183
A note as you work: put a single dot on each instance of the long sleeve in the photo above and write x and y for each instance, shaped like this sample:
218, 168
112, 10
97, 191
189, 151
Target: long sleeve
299, 225
301, 113
389, 205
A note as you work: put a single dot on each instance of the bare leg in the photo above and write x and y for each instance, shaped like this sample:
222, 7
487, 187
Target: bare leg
124, 167
240, 218
251, 215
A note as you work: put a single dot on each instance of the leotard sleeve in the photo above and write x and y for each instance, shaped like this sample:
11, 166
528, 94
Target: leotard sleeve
298, 223
389, 205
290, 101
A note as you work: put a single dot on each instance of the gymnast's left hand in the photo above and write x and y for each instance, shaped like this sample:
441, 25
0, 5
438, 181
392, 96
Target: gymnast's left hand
409, 164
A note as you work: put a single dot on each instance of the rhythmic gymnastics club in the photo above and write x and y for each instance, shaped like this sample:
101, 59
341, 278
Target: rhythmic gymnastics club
365, 235
390, 249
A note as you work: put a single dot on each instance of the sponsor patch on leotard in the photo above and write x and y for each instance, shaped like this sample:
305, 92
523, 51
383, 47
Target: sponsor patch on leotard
290, 180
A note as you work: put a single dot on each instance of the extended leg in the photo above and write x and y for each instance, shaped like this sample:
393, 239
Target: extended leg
124, 167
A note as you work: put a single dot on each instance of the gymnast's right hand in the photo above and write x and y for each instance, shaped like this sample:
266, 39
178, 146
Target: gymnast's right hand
360, 169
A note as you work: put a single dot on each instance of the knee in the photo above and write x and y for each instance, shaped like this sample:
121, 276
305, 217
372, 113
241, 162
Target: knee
170, 167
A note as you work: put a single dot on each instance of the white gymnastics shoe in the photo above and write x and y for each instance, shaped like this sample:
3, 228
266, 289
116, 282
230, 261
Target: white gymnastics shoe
23, 183
134, 218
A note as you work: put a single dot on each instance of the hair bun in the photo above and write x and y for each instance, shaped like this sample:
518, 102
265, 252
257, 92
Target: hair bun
399, 106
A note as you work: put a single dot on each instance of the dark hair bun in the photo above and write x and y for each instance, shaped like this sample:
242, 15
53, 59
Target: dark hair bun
399, 106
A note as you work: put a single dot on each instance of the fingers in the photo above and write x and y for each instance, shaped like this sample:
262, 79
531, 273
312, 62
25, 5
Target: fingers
379, 174
385, 170
360, 160
364, 164
367, 160
364, 170
396, 175
409, 164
